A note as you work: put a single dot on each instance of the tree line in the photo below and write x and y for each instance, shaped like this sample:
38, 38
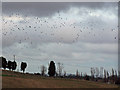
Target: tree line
11, 65
96, 73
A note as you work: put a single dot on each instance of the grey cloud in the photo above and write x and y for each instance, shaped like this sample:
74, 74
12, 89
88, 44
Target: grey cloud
36, 8
44, 9
88, 47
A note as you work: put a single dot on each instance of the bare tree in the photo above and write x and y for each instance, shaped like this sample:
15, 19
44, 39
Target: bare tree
56, 74
92, 72
77, 73
112, 72
43, 70
115, 73
64, 73
115, 76
118, 73
60, 68
101, 72
105, 75
81, 75
97, 72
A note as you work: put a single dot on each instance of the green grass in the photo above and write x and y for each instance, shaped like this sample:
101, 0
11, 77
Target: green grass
5, 75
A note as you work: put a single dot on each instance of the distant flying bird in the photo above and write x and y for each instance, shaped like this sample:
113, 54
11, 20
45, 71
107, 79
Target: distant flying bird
43, 27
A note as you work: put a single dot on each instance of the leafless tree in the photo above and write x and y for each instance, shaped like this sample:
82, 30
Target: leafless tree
77, 73
115, 76
81, 75
119, 73
92, 72
60, 68
43, 70
105, 75
101, 72
64, 73
112, 72
115, 73
97, 72
56, 74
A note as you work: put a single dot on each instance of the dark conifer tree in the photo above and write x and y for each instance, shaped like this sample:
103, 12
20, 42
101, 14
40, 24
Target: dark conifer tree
4, 62
51, 69
9, 65
14, 65
23, 66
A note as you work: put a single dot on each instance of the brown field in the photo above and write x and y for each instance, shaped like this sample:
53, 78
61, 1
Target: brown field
18, 80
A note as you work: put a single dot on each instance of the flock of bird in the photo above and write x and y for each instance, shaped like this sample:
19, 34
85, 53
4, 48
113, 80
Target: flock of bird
38, 25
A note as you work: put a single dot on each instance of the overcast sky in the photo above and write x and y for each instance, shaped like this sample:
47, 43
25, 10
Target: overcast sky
79, 35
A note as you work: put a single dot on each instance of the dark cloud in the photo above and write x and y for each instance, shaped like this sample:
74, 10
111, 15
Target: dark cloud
36, 8
49, 8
